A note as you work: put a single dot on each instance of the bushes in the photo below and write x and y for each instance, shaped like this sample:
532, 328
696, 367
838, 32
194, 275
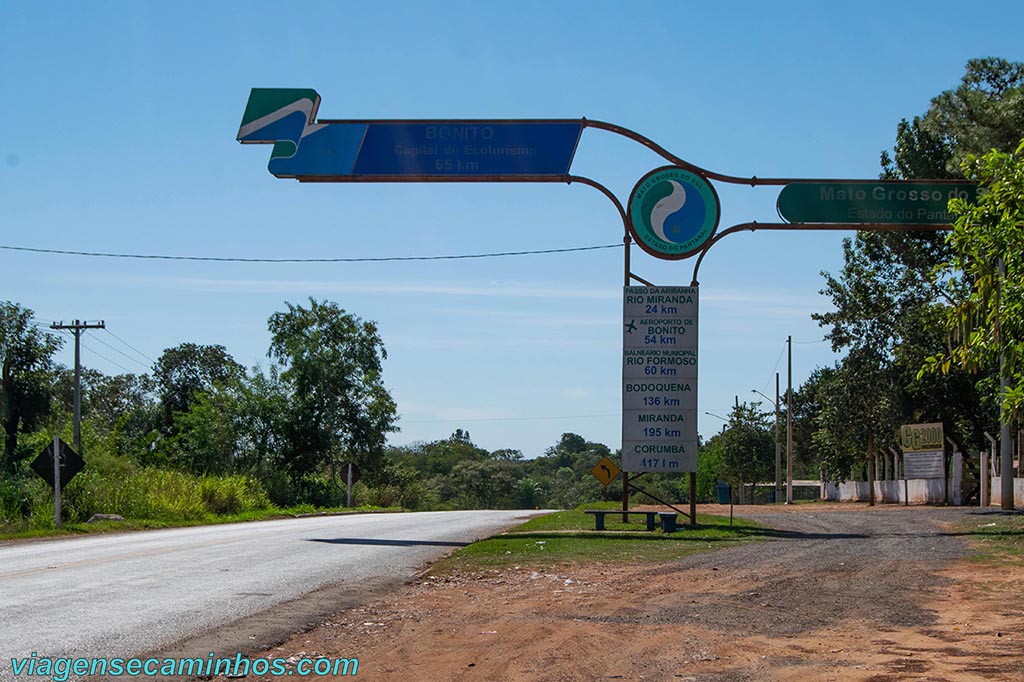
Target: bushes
232, 494
114, 485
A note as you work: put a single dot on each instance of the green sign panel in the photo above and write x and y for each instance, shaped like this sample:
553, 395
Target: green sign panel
904, 202
673, 212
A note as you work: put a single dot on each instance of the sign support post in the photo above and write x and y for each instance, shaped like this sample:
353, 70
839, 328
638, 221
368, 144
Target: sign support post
348, 492
626, 241
56, 481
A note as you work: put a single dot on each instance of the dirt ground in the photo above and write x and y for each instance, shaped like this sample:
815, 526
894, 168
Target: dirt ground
841, 592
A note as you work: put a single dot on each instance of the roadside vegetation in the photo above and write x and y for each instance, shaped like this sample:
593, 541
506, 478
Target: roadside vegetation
996, 539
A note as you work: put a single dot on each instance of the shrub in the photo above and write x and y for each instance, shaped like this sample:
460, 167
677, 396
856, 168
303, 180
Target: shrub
232, 494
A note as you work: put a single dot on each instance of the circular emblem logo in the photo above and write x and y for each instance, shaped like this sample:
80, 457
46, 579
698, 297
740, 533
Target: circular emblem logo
673, 212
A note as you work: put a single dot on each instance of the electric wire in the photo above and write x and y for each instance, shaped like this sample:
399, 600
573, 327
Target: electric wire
375, 259
506, 419
100, 355
136, 360
775, 368
128, 344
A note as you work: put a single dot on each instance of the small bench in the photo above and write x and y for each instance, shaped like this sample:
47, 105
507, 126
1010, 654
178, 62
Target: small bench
599, 515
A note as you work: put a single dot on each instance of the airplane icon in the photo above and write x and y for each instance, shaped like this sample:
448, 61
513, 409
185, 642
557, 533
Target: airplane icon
631, 327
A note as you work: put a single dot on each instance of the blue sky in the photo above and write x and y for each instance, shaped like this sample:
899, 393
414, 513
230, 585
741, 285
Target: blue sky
118, 134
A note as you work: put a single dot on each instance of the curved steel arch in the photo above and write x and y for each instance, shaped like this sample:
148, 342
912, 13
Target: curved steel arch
806, 227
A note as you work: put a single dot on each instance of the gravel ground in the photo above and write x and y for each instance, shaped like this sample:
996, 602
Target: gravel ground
819, 568
837, 593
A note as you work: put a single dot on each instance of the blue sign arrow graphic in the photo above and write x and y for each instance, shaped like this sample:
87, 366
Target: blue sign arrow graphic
307, 149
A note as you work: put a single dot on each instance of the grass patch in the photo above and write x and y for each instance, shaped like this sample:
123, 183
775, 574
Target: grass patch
23, 530
996, 539
568, 537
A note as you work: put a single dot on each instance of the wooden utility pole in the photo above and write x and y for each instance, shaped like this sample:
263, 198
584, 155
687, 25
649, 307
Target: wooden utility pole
77, 327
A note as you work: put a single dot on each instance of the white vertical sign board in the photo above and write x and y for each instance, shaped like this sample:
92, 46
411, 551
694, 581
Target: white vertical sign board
659, 379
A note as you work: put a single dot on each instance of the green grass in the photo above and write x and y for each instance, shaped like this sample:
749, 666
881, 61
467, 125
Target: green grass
23, 530
996, 539
568, 537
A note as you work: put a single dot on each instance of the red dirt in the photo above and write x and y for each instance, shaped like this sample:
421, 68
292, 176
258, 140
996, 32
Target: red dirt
692, 621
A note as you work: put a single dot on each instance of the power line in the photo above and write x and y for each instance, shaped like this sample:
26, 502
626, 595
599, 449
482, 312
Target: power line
130, 345
104, 357
775, 368
121, 352
378, 259
507, 419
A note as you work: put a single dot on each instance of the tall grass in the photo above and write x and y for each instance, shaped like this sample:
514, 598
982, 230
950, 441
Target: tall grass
114, 485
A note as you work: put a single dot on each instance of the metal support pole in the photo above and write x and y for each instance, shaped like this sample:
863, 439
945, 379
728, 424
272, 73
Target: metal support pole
56, 481
625, 474
693, 498
348, 494
789, 426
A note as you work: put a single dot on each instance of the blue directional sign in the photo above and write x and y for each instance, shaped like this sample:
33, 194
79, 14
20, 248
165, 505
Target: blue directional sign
307, 149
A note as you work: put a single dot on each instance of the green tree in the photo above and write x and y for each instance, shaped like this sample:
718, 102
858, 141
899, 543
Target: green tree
709, 468
485, 485
113, 397
338, 407
184, 371
888, 298
439, 457
26, 367
857, 414
207, 437
987, 322
986, 111
873, 301
748, 447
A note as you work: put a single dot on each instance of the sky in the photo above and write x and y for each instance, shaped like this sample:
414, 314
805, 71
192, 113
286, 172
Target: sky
117, 134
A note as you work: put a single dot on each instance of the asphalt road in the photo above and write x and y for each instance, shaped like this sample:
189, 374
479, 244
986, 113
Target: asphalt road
131, 593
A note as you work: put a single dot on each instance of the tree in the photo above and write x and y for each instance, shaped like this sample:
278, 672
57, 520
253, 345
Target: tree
439, 457
987, 323
331, 366
709, 468
888, 298
105, 399
858, 415
484, 485
748, 447
568, 444
986, 111
26, 365
186, 370
206, 437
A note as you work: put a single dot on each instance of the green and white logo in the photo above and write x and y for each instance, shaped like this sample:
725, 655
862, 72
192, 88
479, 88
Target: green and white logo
673, 212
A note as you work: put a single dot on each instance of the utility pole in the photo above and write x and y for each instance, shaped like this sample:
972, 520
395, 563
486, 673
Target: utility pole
789, 425
77, 327
778, 445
